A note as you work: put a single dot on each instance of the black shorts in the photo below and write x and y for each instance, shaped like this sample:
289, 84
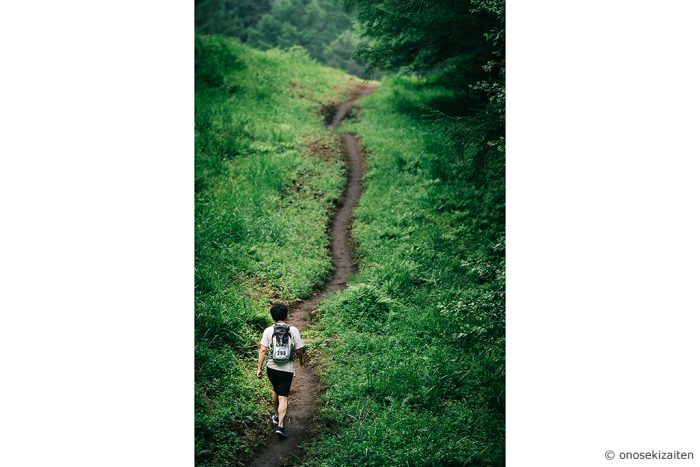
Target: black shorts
281, 381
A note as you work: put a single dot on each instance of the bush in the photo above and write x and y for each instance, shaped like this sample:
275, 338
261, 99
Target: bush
362, 307
213, 60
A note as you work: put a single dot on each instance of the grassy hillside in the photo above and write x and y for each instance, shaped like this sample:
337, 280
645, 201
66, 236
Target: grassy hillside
416, 345
413, 351
267, 175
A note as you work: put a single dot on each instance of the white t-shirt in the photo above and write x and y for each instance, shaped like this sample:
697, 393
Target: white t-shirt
267, 342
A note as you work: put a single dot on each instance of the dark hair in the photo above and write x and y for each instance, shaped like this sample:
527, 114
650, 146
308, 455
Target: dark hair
278, 312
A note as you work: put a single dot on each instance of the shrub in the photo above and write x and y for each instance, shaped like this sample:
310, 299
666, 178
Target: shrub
213, 60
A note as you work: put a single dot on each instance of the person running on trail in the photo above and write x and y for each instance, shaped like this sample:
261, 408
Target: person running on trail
280, 343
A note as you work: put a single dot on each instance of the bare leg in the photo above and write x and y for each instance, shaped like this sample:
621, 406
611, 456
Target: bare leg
282, 410
275, 401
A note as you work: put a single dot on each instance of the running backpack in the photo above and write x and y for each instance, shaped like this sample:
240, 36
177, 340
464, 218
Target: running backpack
282, 346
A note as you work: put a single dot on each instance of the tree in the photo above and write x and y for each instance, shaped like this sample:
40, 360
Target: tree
322, 27
229, 17
456, 38
339, 53
459, 43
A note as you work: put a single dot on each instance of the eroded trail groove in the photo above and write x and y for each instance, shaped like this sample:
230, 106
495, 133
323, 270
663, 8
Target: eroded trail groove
301, 421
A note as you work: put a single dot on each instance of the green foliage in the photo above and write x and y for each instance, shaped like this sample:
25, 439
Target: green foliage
424, 35
457, 43
417, 343
213, 59
229, 17
261, 208
320, 26
340, 53
363, 308
308, 23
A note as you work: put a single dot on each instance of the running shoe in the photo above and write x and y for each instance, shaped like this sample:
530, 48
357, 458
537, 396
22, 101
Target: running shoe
275, 420
280, 431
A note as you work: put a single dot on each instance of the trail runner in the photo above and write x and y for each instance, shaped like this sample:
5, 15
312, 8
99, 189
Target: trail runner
284, 341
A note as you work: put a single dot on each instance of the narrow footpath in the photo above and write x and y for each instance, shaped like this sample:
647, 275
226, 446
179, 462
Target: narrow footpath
302, 421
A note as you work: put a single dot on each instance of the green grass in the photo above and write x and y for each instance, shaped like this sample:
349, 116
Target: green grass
415, 347
262, 204
413, 351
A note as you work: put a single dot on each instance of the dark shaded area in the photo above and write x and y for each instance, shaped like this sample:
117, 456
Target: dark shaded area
455, 43
328, 111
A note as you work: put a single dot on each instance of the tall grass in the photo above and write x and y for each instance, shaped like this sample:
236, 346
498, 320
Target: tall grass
262, 202
414, 348
415, 345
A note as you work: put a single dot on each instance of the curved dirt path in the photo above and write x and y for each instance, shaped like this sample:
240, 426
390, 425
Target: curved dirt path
301, 421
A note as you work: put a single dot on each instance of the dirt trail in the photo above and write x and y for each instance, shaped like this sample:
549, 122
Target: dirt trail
301, 422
